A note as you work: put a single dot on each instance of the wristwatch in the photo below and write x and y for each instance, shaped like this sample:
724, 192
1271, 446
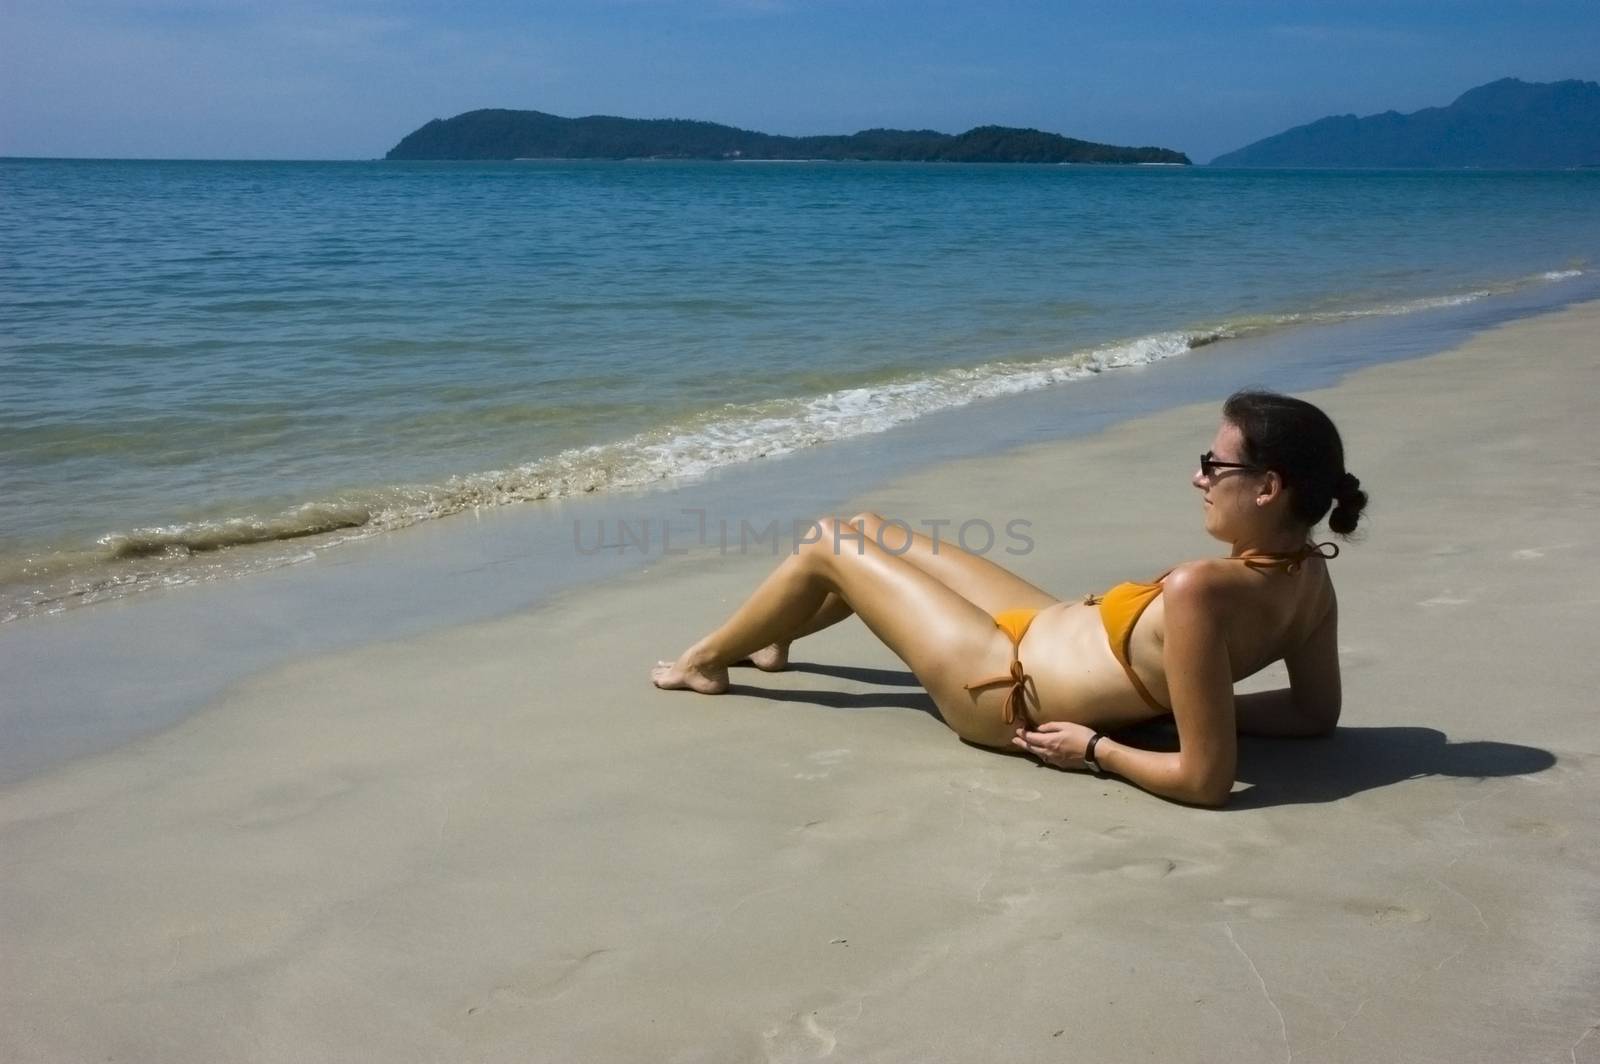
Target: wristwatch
1088, 755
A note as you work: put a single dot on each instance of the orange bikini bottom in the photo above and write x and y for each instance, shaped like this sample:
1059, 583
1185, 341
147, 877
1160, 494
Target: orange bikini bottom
1015, 624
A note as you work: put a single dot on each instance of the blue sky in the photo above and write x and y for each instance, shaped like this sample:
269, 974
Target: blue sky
339, 79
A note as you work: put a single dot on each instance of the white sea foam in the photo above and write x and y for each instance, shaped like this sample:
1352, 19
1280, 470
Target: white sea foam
181, 554
1243, 326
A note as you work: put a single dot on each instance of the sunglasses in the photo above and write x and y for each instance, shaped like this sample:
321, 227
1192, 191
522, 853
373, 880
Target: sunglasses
1209, 465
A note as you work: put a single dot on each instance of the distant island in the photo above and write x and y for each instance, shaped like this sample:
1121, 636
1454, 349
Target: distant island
1506, 124
502, 134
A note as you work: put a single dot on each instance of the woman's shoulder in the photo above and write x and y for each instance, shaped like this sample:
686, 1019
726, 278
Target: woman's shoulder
1202, 577
1222, 584
1220, 588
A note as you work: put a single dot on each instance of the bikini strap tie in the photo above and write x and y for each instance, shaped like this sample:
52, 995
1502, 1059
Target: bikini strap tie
1016, 706
1291, 562
1314, 550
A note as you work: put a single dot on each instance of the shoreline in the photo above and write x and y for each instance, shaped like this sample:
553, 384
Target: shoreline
129, 559
469, 843
156, 657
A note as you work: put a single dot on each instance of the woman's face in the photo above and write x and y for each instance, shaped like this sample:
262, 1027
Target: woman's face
1230, 495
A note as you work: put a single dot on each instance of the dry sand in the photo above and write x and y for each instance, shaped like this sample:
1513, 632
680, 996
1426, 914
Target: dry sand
498, 843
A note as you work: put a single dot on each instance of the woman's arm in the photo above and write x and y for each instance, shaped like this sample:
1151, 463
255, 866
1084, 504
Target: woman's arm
1281, 715
1309, 706
1200, 681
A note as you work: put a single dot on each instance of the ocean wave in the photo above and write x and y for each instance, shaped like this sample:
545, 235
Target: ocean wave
1238, 327
171, 555
309, 520
711, 440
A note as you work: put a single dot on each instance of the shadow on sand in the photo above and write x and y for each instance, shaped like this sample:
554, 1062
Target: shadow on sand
1277, 771
1356, 759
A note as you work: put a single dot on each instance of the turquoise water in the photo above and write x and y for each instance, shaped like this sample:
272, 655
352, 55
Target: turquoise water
211, 367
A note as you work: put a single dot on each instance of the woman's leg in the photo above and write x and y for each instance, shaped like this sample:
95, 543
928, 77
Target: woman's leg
990, 587
775, 658
945, 639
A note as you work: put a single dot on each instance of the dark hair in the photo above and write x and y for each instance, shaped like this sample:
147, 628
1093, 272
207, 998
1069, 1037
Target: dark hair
1298, 442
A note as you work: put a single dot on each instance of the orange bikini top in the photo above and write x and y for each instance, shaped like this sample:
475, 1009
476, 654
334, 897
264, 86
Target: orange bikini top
1121, 607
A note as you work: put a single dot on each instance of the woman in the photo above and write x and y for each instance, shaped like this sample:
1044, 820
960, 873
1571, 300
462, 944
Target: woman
1009, 665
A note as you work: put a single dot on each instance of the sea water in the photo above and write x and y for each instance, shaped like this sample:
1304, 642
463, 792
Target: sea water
211, 368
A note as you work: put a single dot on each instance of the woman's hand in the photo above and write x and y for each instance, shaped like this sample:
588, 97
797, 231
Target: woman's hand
1057, 743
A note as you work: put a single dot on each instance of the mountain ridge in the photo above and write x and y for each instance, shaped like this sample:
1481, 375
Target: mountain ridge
1508, 123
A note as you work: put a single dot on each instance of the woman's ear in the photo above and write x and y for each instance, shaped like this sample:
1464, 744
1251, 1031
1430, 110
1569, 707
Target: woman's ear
1271, 487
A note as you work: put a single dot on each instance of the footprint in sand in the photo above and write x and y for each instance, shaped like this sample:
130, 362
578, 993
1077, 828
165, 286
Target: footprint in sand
271, 806
865, 824
541, 982
1381, 914
1154, 868
1014, 794
823, 762
1260, 908
1161, 868
1005, 895
1539, 829
1528, 554
810, 1034
1147, 868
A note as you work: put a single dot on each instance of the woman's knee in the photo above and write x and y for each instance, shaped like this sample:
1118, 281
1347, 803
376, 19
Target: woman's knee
830, 542
825, 537
895, 536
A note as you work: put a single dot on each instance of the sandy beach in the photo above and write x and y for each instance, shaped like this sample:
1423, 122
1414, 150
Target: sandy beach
497, 842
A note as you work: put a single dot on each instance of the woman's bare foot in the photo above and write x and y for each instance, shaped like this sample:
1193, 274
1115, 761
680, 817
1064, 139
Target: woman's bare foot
774, 658
686, 674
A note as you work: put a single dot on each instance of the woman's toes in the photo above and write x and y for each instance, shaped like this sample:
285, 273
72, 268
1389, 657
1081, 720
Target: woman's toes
677, 676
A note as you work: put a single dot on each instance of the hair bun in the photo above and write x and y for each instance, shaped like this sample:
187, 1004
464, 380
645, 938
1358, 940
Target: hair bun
1350, 500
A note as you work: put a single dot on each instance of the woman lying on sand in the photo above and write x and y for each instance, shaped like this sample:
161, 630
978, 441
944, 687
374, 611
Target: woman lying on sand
964, 625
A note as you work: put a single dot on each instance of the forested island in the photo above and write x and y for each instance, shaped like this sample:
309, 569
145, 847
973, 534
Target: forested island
502, 134
1506, 124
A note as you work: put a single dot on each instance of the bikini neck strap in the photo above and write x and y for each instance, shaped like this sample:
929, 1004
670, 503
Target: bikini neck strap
1291, 561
